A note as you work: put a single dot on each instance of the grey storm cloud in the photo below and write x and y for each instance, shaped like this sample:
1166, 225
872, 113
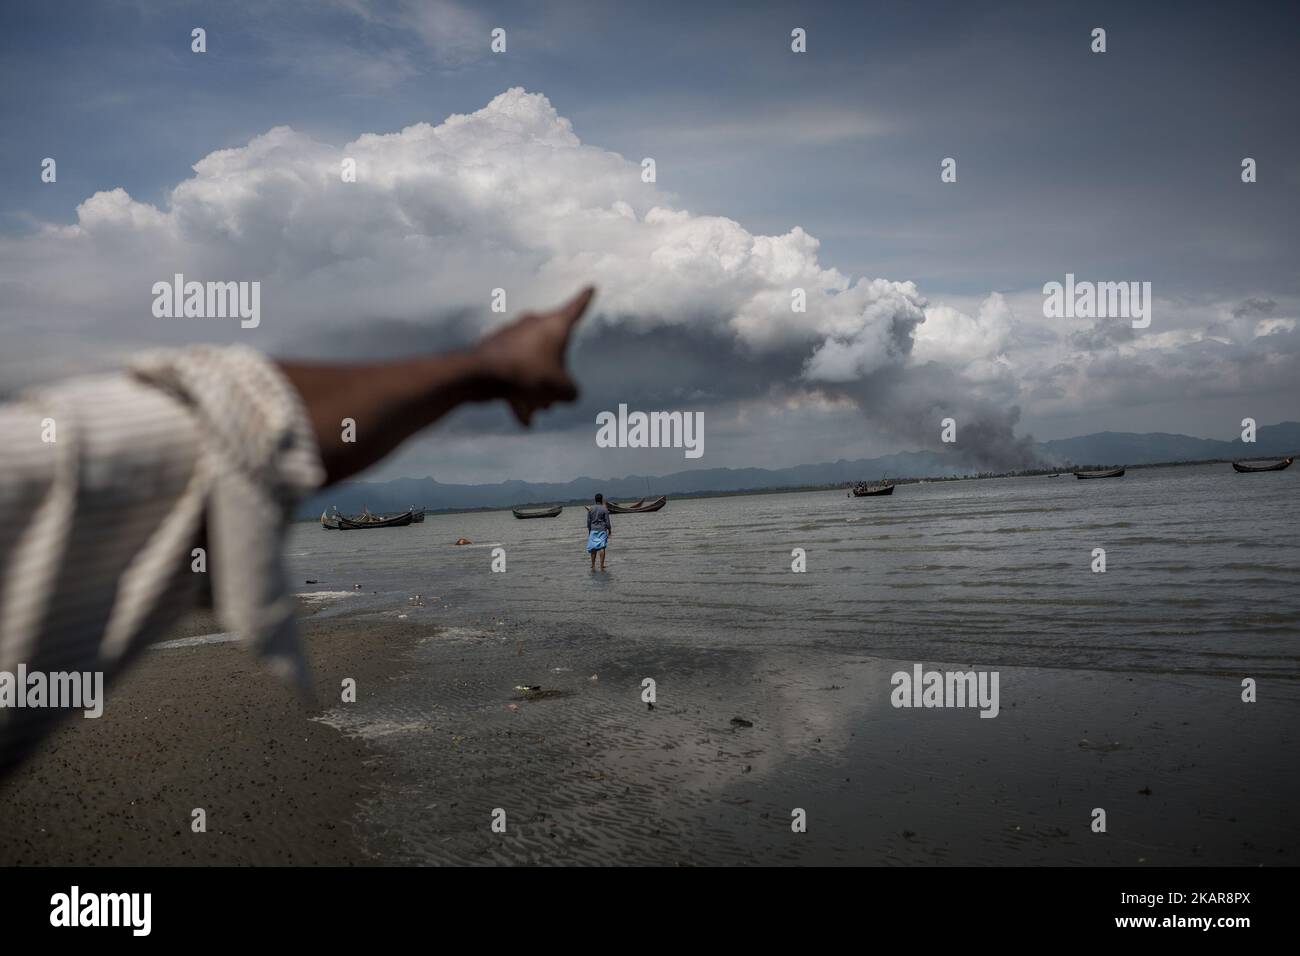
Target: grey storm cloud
1104, 333
1253, 306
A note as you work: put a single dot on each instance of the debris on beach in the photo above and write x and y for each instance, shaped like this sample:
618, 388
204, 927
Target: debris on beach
464, 541
1086, 744
1145, 791
741, 722
535, 692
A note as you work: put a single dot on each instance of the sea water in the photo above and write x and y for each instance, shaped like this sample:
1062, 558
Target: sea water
1202, 568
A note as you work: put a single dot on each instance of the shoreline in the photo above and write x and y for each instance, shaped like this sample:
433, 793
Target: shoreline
1044, 472
441, 736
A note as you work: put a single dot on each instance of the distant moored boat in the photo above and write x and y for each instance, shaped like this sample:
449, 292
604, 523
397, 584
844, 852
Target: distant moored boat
1248, 467
862, 490
367, 520
1113, 473
541, 513
637, 508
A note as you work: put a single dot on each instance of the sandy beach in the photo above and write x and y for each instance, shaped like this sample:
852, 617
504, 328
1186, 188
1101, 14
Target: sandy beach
453, 724
200, 727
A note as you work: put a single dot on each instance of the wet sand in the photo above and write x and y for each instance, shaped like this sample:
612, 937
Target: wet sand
587, 772
441, 738
203, 727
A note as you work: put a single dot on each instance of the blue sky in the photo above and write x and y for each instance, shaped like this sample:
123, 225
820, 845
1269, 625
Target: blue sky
1122, 165
1140, 143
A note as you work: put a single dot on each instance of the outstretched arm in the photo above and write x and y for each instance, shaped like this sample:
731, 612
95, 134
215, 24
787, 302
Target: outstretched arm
154, 424
522, 363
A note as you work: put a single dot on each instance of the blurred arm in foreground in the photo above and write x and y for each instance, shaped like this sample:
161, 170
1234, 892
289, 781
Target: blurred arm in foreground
109, 486
522, 363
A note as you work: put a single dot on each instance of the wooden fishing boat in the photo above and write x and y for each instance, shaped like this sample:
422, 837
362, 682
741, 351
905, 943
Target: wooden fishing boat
1112, 473
328, 523
540, 513
417, 517
637, 508
367, 520
862, 490
1249, 467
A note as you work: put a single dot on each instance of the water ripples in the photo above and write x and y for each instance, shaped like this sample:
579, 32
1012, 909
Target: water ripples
937, 568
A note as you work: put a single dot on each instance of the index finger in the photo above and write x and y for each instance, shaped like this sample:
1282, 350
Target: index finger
572, 310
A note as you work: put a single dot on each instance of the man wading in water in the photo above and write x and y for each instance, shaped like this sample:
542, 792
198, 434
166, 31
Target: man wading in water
598, 531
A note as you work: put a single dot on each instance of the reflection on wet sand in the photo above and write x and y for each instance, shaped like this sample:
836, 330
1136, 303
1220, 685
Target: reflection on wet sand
594, 775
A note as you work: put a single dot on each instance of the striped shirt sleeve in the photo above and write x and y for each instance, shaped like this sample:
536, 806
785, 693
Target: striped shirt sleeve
123, 496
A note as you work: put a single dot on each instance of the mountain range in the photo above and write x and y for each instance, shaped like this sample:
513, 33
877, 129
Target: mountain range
1101, 448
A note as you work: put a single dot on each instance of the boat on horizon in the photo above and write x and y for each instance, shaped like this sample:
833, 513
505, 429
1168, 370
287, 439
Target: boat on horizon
636, 508
540, 513
1249, 467
864, 490
365, 521
1111, 473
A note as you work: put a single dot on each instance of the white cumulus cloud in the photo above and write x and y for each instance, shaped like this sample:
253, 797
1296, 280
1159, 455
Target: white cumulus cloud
506, 197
